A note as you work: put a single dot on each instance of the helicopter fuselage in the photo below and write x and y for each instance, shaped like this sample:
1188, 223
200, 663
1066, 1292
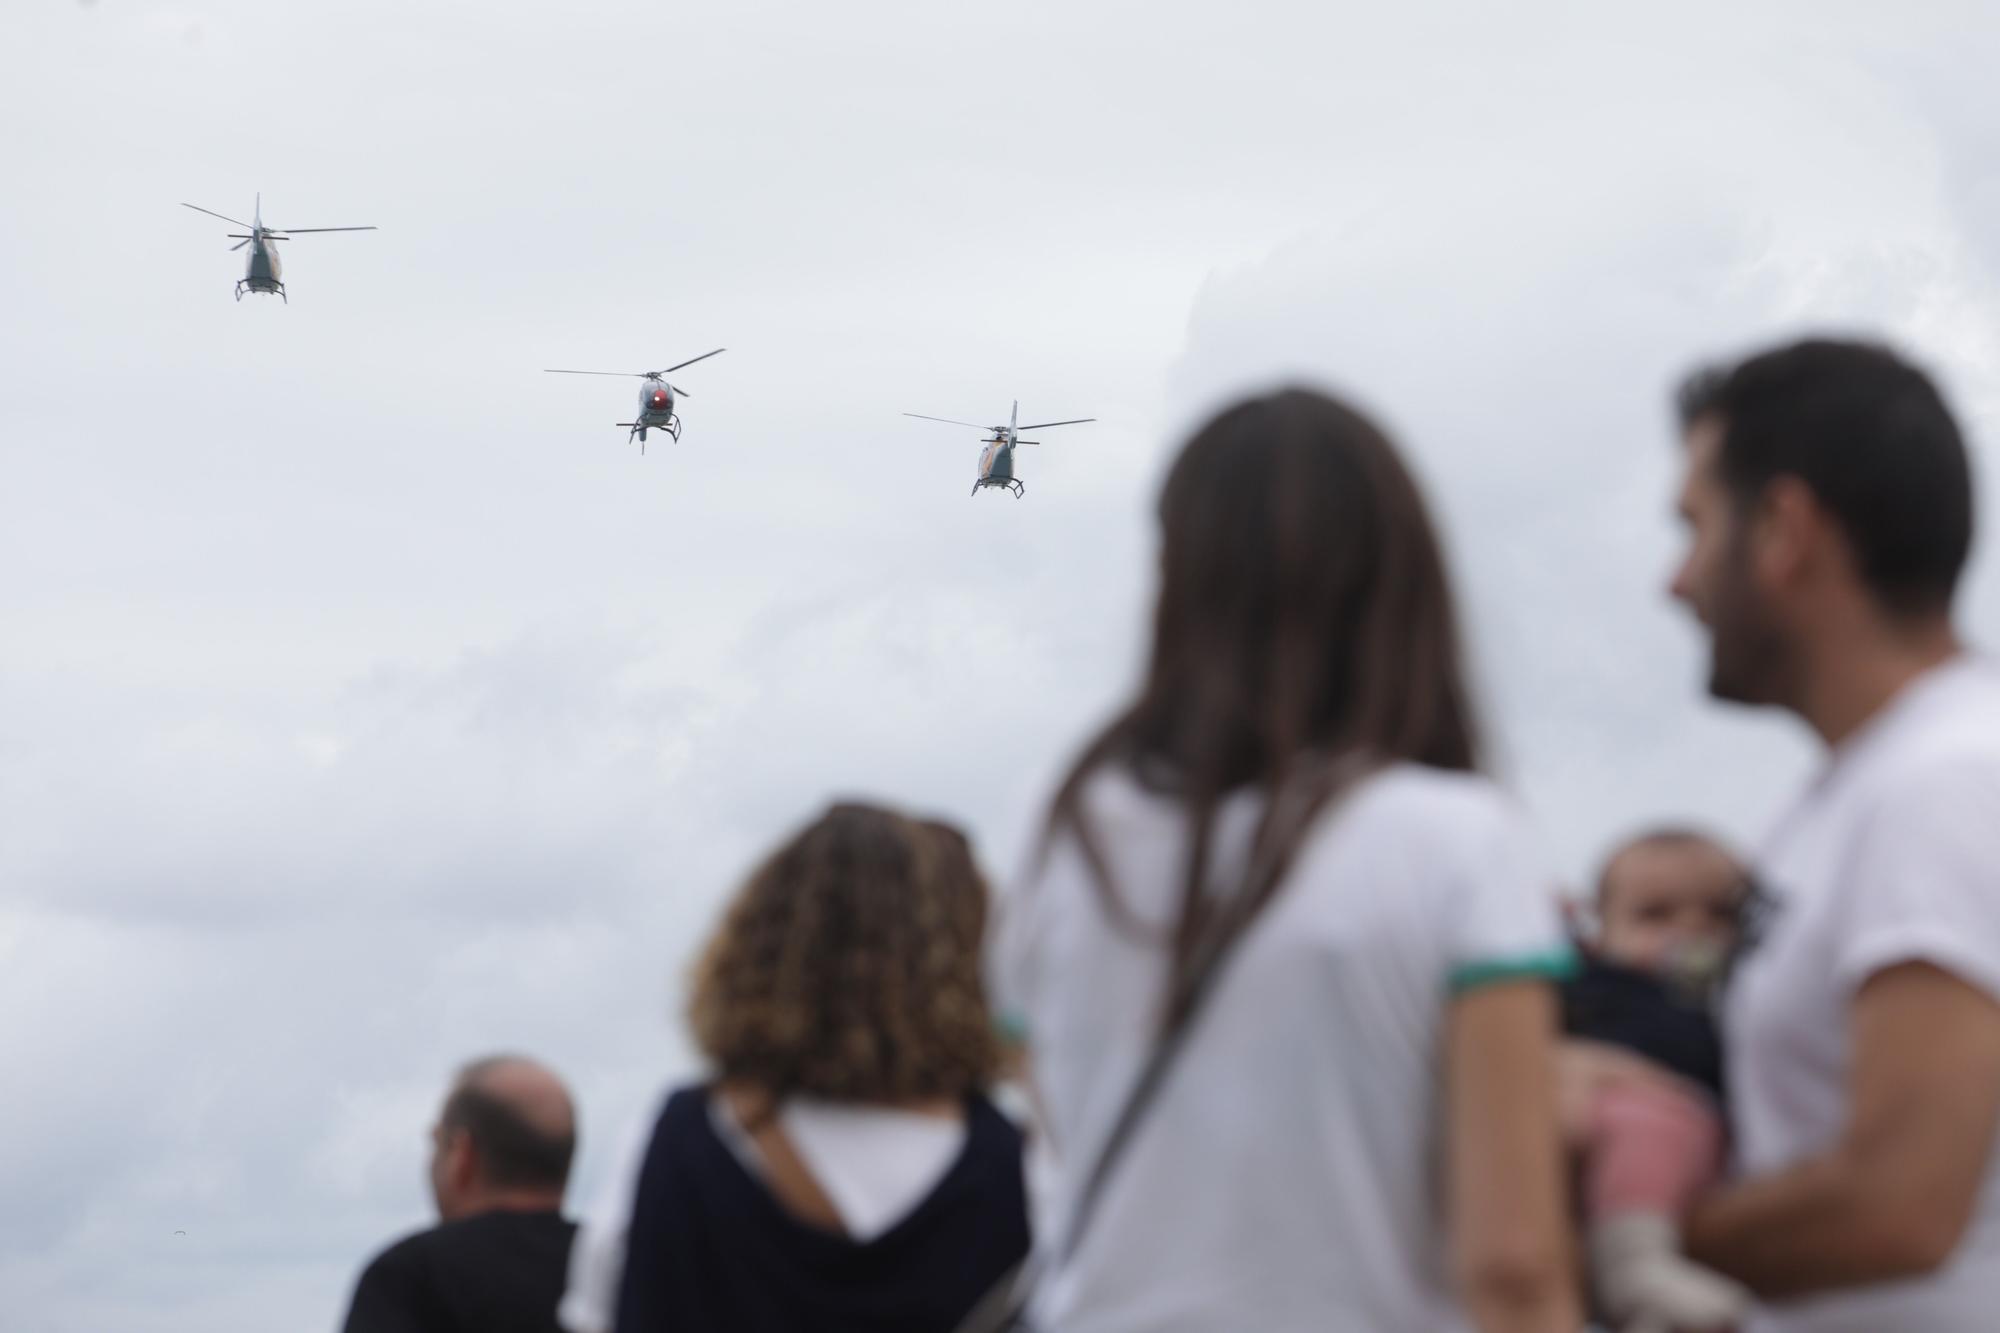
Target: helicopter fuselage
996, 463
996, 467
264, 271
656, 403
656, 411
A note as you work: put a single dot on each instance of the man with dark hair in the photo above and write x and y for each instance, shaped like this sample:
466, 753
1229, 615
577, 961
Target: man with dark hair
1829, 501
498, 1259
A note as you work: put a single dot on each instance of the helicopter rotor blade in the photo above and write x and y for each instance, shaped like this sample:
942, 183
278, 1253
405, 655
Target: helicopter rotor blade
951, 422
617, 374
1044, 425
239, 245
289, 230
703, 357
679, 390
212, 213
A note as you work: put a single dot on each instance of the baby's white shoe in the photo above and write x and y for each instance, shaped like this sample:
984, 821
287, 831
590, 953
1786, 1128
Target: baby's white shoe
1646, 1283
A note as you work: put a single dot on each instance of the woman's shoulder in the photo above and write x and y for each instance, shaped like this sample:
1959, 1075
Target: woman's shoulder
1419, 789
1447, 806
1434, 823
1450, 812
681, 1098
682, 1109
1116, 812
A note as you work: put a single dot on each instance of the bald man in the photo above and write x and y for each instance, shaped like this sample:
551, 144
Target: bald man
498, 1258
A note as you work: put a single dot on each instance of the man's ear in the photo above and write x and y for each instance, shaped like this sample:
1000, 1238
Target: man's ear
1789, 534
462, 1162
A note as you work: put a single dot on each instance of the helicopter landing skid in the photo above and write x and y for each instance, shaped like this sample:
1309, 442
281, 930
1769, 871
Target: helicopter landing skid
1011, 484
638, 430
243, 287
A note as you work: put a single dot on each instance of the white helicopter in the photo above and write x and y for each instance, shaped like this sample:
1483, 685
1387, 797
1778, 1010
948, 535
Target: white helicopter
996, 460
261, 274
656, 397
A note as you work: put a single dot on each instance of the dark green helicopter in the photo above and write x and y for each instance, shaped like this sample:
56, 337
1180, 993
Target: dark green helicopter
261, 275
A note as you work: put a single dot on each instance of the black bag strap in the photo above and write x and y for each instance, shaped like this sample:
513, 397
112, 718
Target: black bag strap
1003, 1308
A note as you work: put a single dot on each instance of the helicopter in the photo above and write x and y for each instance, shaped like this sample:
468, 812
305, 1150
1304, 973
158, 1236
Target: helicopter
261, 275
996, 460
656, 398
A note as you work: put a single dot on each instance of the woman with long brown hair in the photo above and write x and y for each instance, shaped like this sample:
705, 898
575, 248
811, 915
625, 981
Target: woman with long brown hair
1283, 965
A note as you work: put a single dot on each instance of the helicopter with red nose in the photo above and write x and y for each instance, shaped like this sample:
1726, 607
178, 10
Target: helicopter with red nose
656, 398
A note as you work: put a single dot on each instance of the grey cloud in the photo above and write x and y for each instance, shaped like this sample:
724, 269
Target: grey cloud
365, 703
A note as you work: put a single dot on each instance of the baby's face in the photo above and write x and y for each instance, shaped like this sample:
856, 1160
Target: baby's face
1669, 902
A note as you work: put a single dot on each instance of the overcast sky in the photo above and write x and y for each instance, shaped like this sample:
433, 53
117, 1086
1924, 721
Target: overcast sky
367, 704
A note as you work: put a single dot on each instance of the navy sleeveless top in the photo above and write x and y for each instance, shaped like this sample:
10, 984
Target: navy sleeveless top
710, 1248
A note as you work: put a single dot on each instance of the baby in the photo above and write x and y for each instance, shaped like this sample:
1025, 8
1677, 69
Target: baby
1643, 1074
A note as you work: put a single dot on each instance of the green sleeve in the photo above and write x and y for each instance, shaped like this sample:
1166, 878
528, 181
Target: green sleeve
1555, 964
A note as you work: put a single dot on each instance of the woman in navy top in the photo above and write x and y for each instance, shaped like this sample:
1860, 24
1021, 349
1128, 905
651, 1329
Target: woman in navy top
843, 1169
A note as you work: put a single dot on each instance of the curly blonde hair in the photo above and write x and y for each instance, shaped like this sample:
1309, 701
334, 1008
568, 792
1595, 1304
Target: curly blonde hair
848, 967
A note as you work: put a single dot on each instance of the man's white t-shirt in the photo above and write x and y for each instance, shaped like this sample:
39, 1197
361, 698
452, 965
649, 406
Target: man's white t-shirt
1286, 1175
1892, 856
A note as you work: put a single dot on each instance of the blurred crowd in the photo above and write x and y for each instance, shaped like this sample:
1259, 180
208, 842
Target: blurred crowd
1285, 1023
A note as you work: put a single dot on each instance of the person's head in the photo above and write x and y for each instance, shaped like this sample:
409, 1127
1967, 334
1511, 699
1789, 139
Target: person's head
1669, 895
1304, 613
1826, 486
503, 1140
1303, 602
848, 967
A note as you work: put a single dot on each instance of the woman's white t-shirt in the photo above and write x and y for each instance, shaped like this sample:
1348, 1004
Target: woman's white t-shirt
1892, 856
1287, 1174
